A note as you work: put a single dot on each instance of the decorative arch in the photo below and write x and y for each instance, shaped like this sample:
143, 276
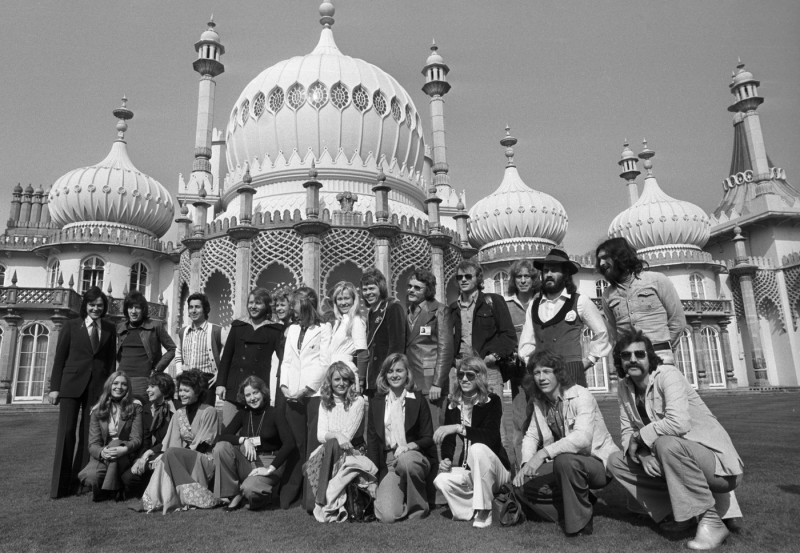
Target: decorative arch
715, 372
500, 282
220, 295
769, 310
31, 363
346, 270
283, 246
181, 312
685, 358
219, 254
92, 272
697, 286
2, 275
53, 271
274, 276
138, 277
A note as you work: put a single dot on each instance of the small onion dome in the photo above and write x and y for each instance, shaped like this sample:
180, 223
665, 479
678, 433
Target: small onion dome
741, 76
515, 210
657, 219
112, 191
210, 34
435, 57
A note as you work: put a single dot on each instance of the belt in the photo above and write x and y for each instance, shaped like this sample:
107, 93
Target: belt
662, 346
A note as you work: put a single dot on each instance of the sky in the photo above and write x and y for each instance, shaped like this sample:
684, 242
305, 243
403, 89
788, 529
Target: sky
573, 79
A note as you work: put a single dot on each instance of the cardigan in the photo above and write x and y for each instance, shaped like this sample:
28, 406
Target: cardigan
484, 429
272, 429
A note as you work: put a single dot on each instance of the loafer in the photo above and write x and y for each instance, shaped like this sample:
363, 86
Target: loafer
483, 519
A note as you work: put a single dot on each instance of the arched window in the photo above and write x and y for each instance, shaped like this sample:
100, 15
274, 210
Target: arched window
715, 372
684, 358
92, 272
138, 280
2, 275
501, 283
31, 363
596, 376
697, 286
53, 270
599, 286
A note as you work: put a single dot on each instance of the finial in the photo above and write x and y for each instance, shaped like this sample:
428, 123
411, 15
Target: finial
125, 289
247, 179
202, 192
326, 11
509, 141
161, 297
14, 279
433, 46
211, 23
60, 279
110, 289
123, 114
71, 281
312, 173
646, 155
381, 176
184, 209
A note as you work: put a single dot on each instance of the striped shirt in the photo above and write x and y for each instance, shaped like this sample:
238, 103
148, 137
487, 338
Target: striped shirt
195, 349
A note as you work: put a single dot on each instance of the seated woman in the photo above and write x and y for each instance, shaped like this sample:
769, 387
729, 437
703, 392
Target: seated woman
474, 414
339, 426
180, 478
250, 473
400, 442
115, 434
155, 421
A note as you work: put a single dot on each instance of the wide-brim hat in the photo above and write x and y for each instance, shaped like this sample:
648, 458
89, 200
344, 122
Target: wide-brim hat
557, 255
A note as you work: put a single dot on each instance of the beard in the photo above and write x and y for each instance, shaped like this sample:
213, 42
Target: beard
553, 284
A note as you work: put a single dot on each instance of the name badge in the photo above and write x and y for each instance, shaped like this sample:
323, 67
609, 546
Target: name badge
256, 441
425, 331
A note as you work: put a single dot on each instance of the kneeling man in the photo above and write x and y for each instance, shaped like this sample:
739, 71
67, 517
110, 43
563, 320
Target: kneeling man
567, 428
677, 459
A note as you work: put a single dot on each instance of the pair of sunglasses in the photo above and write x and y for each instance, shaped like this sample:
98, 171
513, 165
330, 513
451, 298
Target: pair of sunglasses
464, 277
626, 355
469, 374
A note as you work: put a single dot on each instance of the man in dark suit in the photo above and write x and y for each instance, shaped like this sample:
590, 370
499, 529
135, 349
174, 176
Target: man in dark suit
85, 356
429, 341
386, 326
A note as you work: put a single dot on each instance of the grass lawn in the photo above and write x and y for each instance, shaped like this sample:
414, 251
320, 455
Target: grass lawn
764, 428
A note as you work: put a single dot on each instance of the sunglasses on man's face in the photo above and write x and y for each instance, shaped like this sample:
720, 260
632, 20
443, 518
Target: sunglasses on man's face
464, 277
468, 374
626, 355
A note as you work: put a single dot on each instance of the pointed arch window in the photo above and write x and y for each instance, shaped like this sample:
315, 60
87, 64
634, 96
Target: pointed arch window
409, 116
597, 375
53, 270
599, 287
258, 104
685, 358
318, 94
31, 363
296, 96
697, 286
276, 99
360, 98
397, 112
340, 96
245, 111
92, 272
138, 280
2, 275
501, 283
715, 372
379, 101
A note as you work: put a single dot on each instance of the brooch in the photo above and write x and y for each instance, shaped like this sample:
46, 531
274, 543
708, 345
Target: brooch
570, 317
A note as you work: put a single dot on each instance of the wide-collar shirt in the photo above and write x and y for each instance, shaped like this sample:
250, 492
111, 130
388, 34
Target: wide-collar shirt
195, 350
467, 315
88, 321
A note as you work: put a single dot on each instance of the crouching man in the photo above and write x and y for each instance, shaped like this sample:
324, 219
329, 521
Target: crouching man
566, 447
677, 458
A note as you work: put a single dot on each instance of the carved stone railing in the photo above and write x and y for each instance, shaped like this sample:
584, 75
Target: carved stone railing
13, 297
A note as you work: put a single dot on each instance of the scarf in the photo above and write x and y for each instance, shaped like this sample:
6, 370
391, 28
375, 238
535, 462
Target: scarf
395, 420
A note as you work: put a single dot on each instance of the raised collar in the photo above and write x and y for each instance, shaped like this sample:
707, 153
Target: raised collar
563, 295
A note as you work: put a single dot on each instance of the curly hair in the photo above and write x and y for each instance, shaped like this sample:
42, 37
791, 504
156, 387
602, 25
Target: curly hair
132, 299
255, 383
192, 379
374, 276
199, 296
390, 361
478, 366
92, 294
326, 390
550, 359
428, 279
163, 382
126, 405
514, 271
285, 294
628, 338
623, 254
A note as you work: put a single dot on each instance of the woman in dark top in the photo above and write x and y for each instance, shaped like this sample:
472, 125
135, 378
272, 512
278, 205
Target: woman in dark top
115, 434
400, 442
252, 450
475, 416
155, 421
139, 344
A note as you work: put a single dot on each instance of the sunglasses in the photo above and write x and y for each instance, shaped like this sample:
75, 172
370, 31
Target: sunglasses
464, 277
626, 355
468, 374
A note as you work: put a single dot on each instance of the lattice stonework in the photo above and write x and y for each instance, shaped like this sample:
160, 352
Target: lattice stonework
408, 250
282, 246
792, 276
185, 269
219, 254
452, 257
346, 244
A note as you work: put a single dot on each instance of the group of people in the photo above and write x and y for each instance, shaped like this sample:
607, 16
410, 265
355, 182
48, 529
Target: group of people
400, 403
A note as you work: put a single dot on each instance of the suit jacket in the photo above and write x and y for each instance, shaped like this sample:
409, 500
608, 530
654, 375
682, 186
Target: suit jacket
492, 327
386, 333
305, 367
484, 429
430, 354
675, 409
419, 428
76, 367
130, 432
154, 336
247, 352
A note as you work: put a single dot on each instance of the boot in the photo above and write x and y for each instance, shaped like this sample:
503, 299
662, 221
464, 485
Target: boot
711, 532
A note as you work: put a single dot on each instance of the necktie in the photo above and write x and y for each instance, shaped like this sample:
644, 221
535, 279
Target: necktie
94, 336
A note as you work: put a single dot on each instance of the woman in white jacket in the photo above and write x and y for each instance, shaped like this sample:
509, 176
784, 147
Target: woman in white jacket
349, 333
305, 360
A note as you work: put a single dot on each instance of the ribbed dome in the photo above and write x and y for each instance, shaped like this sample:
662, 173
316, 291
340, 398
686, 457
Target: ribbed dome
325, 100
515, 210
657, 219
112, 191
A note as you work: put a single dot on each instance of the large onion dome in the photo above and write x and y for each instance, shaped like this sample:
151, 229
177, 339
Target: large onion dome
112, 191
517, 213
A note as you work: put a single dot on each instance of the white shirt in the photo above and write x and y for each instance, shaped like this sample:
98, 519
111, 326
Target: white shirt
88, 322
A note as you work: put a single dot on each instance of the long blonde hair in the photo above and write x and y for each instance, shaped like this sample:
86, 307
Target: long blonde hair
355, 309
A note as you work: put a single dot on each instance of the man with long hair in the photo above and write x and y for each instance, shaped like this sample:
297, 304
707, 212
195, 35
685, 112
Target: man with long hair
386, 326
636, 299
676, 458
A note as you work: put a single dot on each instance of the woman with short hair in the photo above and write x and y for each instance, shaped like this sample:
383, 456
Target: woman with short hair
115, 434
400, 442
473, 414
181, 477
252, 450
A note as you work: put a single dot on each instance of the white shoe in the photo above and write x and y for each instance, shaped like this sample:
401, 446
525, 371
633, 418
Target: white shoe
483, 519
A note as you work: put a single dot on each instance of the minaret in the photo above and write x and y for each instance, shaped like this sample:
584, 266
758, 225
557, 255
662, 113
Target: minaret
744, 88
436, 86
628, 163
209, 51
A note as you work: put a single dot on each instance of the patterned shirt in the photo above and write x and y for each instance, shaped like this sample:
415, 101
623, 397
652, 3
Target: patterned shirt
195, 349
467, 313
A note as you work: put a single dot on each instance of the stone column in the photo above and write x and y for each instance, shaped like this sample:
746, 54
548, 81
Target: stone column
383, 230
701, 354
8, 356
242, 235
725, 344
311, 229
439, 243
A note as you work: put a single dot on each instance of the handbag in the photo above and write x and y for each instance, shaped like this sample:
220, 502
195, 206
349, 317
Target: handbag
506, 508
359, 504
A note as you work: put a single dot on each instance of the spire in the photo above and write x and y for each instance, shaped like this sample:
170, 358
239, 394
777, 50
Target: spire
508, 142
629, 172
646, 155
435, 72
123, 114
326, 44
